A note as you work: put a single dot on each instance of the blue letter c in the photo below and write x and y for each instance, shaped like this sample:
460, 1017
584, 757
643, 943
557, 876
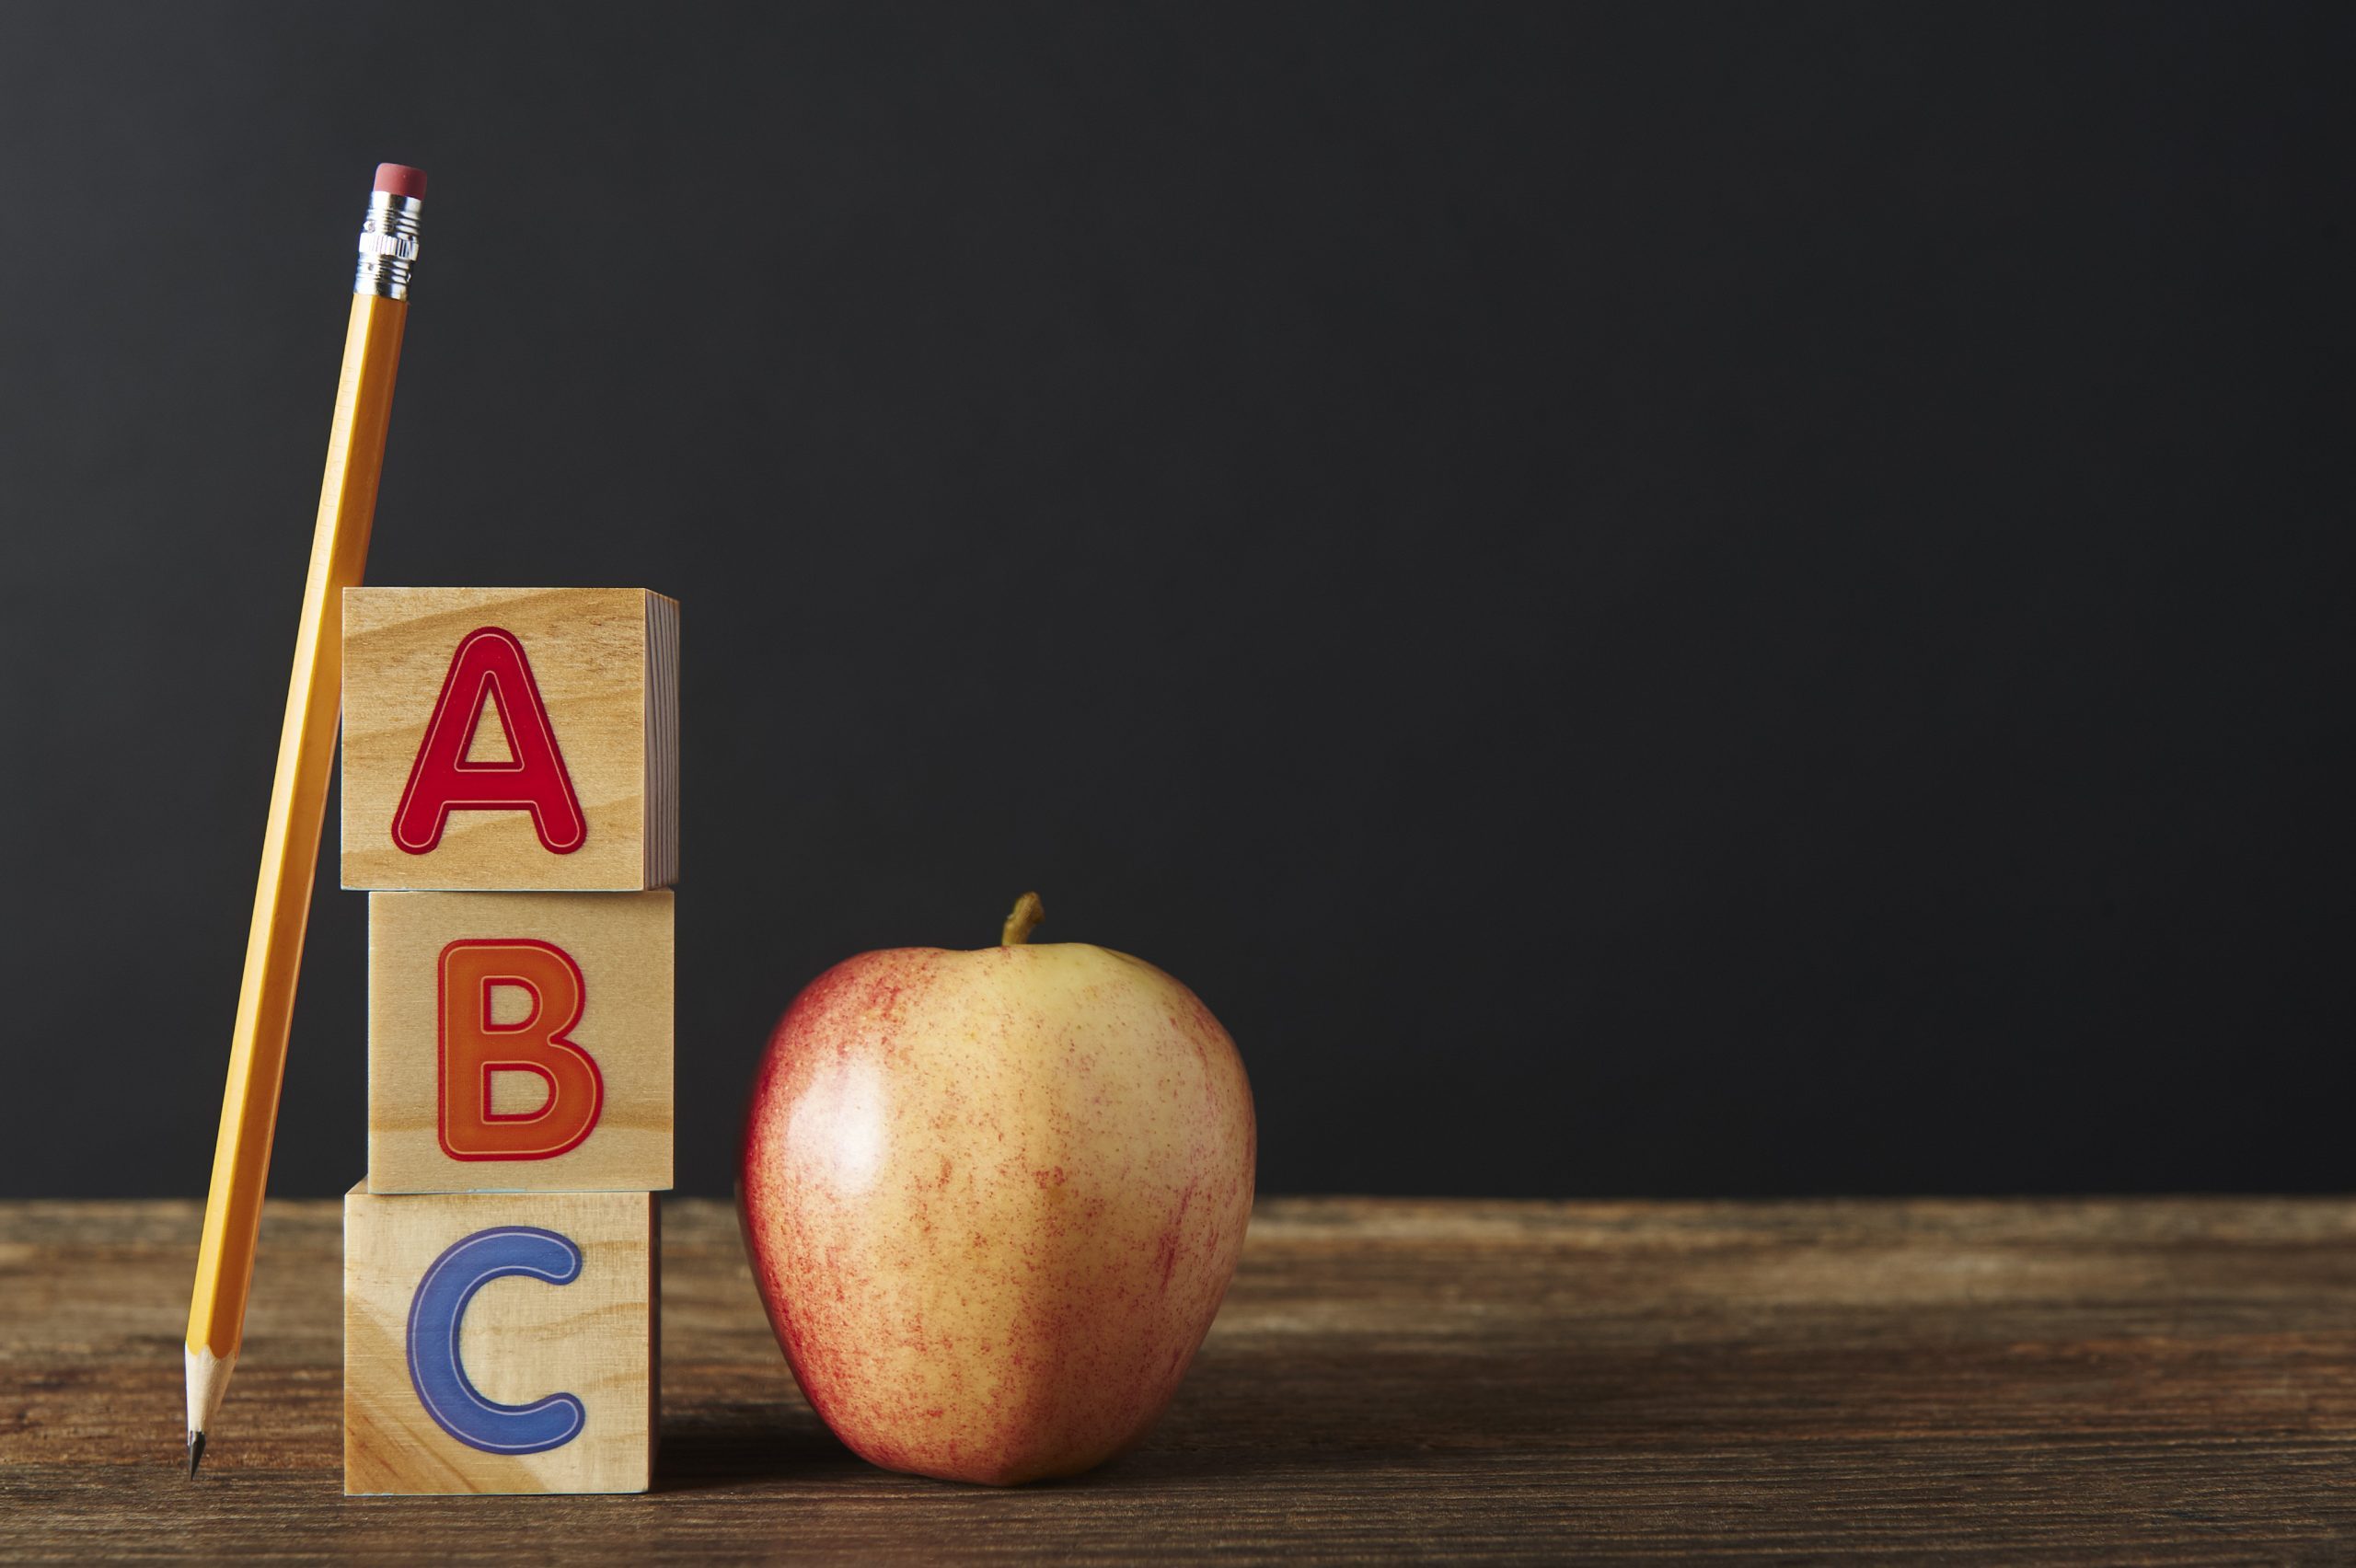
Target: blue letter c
439, 1308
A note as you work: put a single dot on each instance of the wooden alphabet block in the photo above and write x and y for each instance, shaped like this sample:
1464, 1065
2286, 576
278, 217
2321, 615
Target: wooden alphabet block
510, 738
499, 1342
519, 1041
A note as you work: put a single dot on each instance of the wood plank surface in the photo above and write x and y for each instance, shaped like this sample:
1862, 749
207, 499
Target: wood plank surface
2162, 1380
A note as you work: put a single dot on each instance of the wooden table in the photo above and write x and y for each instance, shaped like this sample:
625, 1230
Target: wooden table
2157, 1381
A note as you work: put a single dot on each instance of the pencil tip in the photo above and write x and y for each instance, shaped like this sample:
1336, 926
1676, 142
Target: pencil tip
195, 1452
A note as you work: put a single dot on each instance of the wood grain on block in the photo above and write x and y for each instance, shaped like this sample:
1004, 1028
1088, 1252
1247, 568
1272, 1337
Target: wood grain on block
521, 739
498, 1342
519, 1041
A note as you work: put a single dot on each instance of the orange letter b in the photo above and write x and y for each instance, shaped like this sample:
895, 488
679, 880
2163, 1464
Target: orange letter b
474, 1049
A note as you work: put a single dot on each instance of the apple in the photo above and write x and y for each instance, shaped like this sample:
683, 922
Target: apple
993, 1200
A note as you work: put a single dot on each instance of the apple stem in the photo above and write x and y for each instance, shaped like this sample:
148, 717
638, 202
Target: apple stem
1028, 912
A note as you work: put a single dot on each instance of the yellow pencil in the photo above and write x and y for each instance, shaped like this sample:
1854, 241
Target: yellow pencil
289, 848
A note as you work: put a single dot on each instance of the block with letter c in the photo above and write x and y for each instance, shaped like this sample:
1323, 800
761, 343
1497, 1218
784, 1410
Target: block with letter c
499, 1342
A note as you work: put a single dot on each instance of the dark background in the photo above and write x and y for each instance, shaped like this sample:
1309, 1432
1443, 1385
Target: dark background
1649, 600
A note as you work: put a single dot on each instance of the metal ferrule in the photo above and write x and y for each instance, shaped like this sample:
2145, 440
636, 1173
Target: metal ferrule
387, 245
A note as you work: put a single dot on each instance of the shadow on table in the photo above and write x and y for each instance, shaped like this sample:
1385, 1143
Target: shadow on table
1250, 1416
736, 1444
1244, 1416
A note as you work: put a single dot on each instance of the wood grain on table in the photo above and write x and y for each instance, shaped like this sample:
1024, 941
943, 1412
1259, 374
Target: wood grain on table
2158, 1380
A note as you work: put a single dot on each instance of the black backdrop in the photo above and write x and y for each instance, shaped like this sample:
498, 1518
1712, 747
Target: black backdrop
1660, 599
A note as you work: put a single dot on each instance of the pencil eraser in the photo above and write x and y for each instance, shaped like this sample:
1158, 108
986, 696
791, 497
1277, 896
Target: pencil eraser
401, 180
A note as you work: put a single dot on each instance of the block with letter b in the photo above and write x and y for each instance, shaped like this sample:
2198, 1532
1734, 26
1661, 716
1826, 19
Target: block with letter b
499, 1342
519, 1041
510, 738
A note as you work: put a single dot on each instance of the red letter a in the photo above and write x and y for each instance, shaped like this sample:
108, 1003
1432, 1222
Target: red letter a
489, 662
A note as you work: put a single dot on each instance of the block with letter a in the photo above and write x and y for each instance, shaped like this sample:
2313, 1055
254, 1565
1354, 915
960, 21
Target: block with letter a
519, 1041
499, 1342
510, 738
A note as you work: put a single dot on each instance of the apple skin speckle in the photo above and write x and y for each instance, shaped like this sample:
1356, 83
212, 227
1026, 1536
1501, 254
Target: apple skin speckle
993, 1201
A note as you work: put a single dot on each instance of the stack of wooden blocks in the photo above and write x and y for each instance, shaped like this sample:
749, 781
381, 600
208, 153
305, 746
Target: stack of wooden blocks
511, 766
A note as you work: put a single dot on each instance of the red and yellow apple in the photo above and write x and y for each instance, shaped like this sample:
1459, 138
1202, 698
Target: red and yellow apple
994, 1198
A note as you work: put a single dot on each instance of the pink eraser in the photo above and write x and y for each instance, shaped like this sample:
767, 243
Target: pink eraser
401, 180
